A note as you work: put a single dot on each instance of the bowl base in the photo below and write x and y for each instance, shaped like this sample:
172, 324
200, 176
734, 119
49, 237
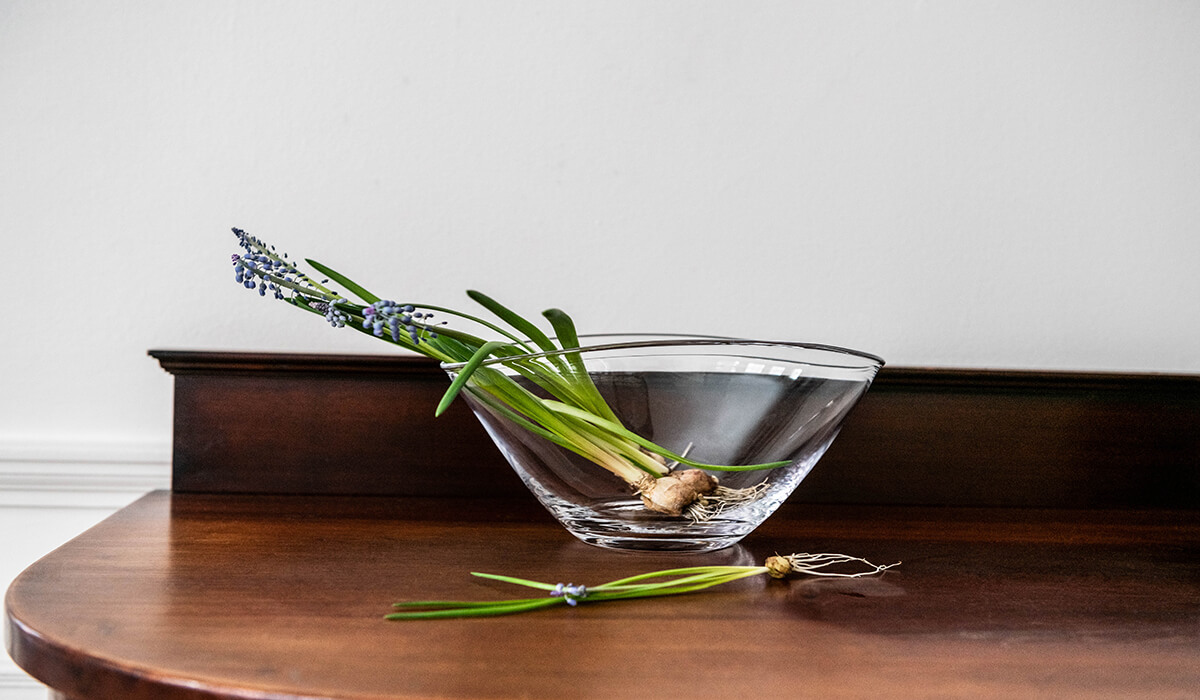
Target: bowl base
627, 525
653, 544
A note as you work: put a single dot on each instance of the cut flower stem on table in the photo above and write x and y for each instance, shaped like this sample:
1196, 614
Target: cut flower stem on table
647, 585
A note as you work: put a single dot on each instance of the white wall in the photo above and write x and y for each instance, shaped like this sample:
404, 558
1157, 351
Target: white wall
1012, 184
981, 184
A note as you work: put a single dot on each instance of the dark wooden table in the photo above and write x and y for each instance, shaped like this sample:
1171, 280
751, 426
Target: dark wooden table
224, 596
1048, 525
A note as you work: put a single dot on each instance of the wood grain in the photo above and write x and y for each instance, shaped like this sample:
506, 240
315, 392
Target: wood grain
268, 423
220, 596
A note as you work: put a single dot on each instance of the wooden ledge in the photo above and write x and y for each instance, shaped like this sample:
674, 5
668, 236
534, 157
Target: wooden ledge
185, 362
277, 423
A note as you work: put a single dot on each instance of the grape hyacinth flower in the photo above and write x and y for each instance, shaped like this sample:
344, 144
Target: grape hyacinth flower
570, 592
261, 268
395, 316
336, 317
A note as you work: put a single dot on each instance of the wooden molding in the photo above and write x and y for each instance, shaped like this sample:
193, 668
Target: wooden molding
346, 424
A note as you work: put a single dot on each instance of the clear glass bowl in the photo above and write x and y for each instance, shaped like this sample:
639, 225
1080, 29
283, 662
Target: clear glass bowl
717, 400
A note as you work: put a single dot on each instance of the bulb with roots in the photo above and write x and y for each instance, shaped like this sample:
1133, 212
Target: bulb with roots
693, 493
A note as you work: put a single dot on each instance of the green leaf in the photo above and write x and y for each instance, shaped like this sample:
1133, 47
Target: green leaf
624, 432
465, 373
499, 405
516, 581
564, 328
513, 319
453, 609
346, 282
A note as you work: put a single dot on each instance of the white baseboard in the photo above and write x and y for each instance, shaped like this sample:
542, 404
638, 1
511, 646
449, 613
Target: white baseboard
80, 473
15, 685
69, 484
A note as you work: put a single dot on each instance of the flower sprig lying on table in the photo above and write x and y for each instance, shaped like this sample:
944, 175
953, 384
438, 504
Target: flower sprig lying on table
652, 584
570, 413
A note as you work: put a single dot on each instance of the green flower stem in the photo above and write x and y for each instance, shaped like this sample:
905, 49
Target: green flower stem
356, 319
563, 386
687, 580
450, 609
686, 571
503, 409
565, 409
309, 289
483, 322
595, 447
610, 451
624, 448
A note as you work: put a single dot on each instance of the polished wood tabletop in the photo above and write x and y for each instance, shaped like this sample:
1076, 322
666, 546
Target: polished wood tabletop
226, 596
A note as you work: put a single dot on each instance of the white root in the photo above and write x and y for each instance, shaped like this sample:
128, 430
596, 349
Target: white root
723, 498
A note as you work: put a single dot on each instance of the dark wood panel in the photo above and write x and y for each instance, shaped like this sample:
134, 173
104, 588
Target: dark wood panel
187, 596
268, 423
960, 437
332, 425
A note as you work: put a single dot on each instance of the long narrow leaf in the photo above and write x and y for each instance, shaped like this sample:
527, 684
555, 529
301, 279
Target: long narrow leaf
555, 382
499, 406
577, 435
346, 282
512, 318
507, 607
515, 581
483, 322
657, 449
465, 373
564, 328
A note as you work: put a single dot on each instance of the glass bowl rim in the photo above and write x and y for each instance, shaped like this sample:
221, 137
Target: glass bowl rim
670, 340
